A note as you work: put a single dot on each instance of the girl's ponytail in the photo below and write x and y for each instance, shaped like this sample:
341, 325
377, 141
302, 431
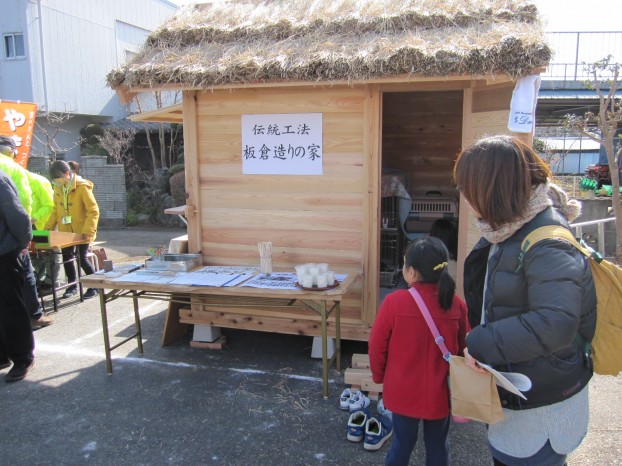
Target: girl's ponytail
446, 289
429, 257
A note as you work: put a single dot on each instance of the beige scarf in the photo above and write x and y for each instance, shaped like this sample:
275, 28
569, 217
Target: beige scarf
542, 196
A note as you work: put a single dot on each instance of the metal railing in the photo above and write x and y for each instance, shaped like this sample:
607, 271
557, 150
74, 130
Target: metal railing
578, 228
572, 50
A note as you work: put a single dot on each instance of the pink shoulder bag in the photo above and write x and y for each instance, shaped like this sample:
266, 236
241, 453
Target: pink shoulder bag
438, 339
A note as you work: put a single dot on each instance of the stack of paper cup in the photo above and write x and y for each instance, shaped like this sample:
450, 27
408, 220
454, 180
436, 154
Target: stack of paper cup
318, 275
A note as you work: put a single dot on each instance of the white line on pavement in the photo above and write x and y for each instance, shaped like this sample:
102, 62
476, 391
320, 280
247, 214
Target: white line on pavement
99, 331
74, 351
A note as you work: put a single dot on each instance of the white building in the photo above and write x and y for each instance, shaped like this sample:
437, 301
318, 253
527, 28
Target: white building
57, 53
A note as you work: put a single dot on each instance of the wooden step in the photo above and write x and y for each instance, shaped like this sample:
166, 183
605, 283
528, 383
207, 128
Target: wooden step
359, 377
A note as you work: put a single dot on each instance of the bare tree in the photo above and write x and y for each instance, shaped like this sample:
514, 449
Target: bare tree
601, 127
163, 159
47, 132
117, 142
175, 130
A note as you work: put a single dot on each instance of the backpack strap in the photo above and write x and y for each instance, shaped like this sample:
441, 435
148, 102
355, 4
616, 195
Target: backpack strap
560, 233
438, 339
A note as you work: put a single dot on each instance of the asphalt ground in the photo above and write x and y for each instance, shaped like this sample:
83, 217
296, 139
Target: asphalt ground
256, 402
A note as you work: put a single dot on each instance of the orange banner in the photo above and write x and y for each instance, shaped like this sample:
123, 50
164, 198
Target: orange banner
18, 122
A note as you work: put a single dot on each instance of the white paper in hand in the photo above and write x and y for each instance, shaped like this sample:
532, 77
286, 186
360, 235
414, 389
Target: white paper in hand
511, 381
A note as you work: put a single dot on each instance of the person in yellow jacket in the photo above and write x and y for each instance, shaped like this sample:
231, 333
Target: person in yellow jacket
75, 211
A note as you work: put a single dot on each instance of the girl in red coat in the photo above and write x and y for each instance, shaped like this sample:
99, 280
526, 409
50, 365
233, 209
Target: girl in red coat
405, 358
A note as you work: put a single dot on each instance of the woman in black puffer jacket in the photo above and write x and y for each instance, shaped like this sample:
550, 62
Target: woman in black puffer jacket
538, 310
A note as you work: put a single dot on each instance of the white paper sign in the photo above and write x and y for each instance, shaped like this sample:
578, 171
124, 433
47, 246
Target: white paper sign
282, 144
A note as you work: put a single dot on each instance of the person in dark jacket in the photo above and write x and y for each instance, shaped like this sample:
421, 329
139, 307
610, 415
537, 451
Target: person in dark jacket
530, 313
16, 340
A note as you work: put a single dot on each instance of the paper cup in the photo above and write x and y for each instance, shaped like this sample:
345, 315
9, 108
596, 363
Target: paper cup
306, 280
321, 281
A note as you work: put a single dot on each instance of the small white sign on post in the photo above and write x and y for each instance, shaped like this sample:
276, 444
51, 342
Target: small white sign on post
282, 144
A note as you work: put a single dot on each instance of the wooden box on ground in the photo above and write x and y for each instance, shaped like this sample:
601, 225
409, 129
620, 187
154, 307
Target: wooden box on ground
359, 376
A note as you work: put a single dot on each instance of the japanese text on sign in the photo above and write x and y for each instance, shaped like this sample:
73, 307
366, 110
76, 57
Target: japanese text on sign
18, 121
282, 144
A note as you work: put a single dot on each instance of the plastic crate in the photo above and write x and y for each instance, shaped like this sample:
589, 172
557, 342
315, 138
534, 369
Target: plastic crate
426, 210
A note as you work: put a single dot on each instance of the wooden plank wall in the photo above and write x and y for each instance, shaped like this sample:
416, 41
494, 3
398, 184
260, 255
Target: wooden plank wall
486, 110
307, 218
422, 134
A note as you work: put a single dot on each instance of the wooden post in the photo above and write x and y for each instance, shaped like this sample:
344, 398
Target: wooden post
192, 163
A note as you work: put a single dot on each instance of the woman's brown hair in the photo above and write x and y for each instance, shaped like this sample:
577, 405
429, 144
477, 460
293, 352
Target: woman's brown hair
496, 176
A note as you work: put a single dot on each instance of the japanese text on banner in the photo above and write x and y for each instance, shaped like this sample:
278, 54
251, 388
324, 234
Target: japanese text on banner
18, 121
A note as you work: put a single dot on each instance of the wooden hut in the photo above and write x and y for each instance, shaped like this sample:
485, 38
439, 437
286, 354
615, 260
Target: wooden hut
392, 90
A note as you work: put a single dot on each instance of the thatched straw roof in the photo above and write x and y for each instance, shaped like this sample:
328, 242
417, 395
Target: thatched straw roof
327, 40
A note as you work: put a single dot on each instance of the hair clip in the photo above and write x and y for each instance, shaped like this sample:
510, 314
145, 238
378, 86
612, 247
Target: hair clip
442, 265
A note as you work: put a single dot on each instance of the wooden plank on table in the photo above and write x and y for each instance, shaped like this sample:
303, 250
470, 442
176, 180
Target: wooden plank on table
59, 239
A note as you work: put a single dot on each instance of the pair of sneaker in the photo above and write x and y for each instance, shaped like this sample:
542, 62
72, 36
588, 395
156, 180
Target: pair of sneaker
375, 430
353, 401
72, 291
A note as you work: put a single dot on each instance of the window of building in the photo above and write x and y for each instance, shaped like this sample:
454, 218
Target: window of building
14, 46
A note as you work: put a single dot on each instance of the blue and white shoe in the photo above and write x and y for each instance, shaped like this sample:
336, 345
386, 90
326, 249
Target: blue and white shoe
358, 402
377, 431
382, 411
356, 425
344, 399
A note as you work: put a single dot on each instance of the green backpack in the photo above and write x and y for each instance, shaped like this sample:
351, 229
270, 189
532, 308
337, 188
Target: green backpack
607, 343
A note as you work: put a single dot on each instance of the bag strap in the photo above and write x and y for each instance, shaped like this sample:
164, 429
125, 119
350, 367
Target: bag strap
556, 232
438, 339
